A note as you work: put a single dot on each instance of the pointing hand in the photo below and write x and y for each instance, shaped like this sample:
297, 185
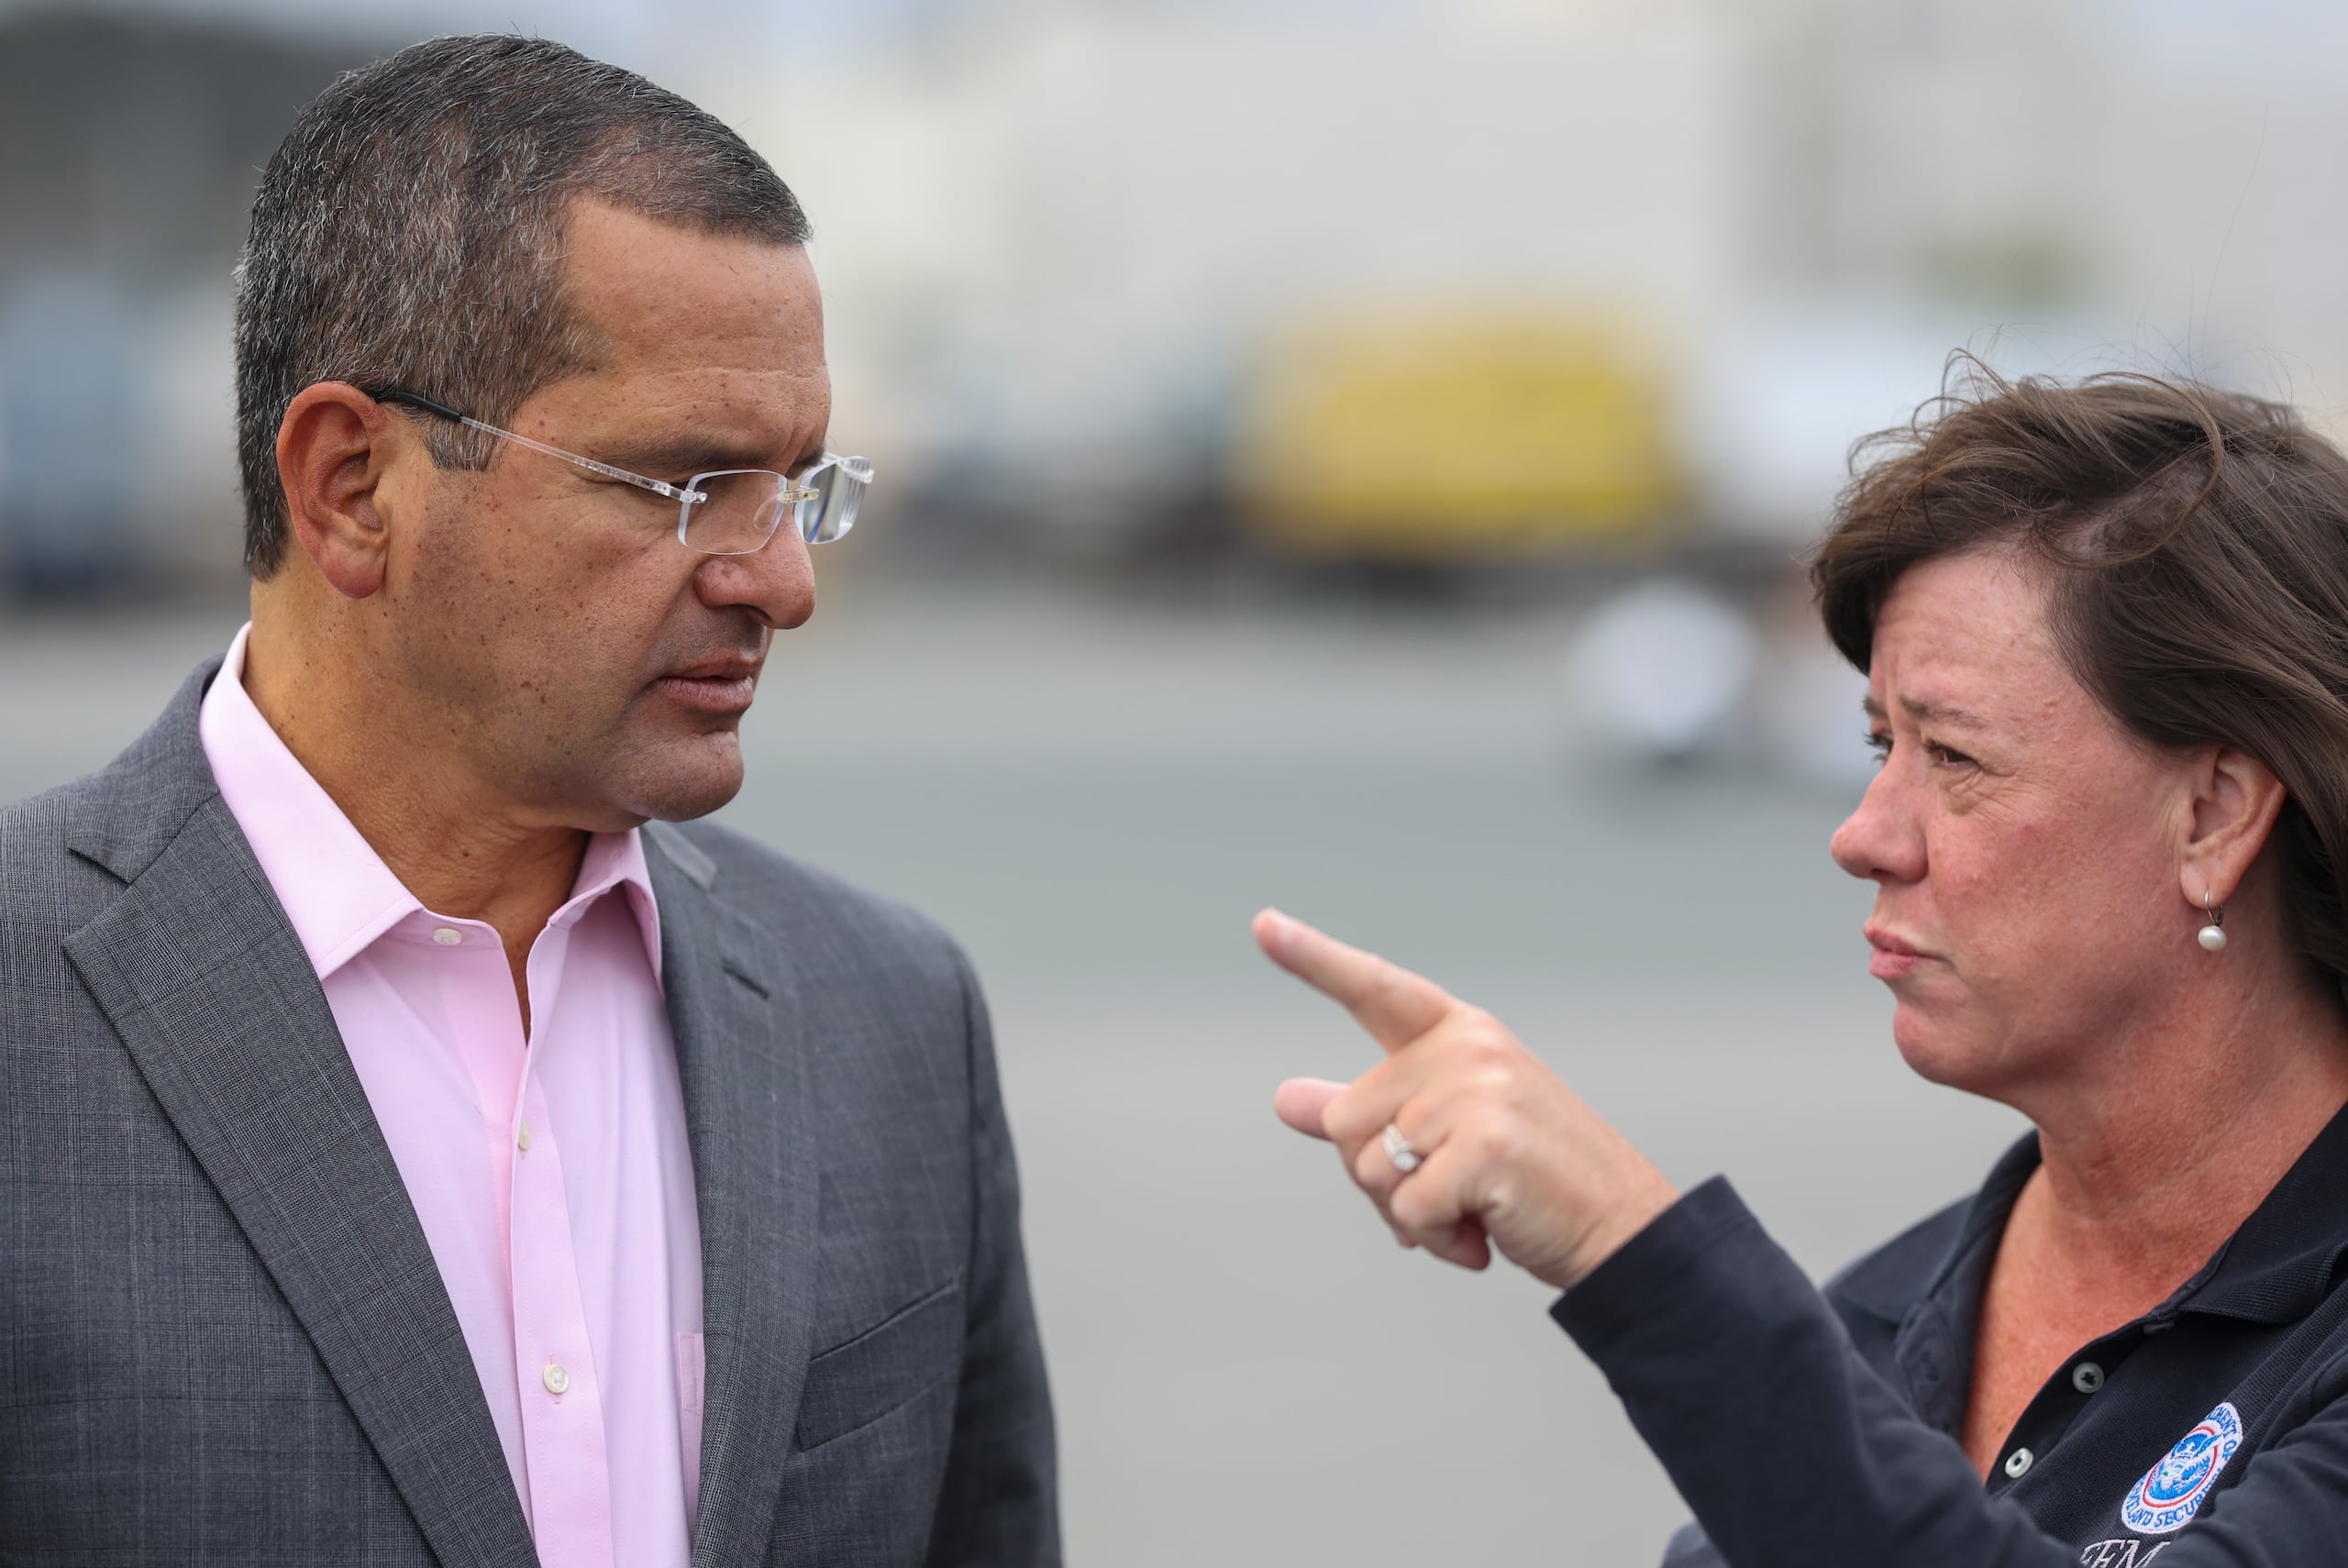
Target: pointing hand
1509, 1157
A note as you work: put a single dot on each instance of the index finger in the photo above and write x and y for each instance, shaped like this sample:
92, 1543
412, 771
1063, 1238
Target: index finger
1394, 1005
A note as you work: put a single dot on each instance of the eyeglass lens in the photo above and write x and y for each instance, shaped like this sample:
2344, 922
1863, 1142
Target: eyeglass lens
839, 484
740, 508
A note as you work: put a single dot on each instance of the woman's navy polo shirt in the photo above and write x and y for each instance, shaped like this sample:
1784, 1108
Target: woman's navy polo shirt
1810, 1429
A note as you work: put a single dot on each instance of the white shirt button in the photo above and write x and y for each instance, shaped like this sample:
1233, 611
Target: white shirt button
2018, 1462
522, 1138
558, 1380
448, 937
2087, 1377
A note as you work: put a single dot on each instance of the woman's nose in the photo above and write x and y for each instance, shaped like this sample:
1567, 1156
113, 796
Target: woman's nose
1876, 842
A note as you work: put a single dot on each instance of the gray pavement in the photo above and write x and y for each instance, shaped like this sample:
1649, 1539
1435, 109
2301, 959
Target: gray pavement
1094, 795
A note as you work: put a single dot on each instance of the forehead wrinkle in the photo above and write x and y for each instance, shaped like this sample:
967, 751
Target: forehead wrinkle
1964, 643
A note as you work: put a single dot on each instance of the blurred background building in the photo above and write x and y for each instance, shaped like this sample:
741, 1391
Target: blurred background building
1399, 280
1410, 292
1348, 452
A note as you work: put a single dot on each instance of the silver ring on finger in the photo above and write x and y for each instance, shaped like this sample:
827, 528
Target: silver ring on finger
1398, 1149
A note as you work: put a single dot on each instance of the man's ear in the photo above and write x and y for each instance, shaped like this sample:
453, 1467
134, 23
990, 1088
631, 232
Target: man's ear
333, 448
2236, 800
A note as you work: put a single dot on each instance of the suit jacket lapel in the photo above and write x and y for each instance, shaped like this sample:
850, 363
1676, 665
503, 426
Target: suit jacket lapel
201, 974
733, 1011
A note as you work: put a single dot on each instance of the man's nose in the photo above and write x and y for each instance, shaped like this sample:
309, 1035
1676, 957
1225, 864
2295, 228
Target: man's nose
776, 582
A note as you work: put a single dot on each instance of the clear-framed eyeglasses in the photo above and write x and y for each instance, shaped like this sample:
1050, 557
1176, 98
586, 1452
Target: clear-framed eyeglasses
726, 512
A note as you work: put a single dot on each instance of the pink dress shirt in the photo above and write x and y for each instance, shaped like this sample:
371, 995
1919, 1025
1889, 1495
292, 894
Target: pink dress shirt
550, 1169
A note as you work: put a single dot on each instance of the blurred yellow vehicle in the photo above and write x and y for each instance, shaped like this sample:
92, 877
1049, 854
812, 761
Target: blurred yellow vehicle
1457, 437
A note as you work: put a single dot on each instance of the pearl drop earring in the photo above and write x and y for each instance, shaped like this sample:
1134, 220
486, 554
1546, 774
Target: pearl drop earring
2214, 935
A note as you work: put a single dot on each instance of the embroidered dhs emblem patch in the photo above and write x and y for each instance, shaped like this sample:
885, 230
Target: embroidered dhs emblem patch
2173, 1491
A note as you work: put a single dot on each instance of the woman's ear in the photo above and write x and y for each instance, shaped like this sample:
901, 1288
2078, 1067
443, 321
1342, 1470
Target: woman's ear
332, 450
2236, 800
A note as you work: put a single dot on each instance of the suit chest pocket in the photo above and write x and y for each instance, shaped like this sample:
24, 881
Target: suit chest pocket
855, 1383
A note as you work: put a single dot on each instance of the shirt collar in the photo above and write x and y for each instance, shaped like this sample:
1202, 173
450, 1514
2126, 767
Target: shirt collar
336, 891
2282, 1260
2275, 1268
617, 860
1940, 1260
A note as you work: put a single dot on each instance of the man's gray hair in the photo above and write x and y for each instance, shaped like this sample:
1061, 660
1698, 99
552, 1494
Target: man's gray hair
409, 233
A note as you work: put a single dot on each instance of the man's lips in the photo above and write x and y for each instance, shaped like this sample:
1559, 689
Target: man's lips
713, 686
1894, 954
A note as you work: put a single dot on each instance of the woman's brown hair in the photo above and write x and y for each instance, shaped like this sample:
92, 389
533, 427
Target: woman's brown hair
2195, 542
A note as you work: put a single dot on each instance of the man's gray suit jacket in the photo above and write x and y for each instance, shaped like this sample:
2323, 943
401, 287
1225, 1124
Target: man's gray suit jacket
222, 1336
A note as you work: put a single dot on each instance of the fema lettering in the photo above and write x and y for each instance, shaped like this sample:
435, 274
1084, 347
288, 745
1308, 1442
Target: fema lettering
2121, 1553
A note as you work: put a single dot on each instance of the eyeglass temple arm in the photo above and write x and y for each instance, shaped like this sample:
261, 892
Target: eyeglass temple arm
414, 400
657, 487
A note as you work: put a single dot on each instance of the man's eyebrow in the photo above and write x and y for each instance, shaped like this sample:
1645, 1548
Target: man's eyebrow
697, 453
